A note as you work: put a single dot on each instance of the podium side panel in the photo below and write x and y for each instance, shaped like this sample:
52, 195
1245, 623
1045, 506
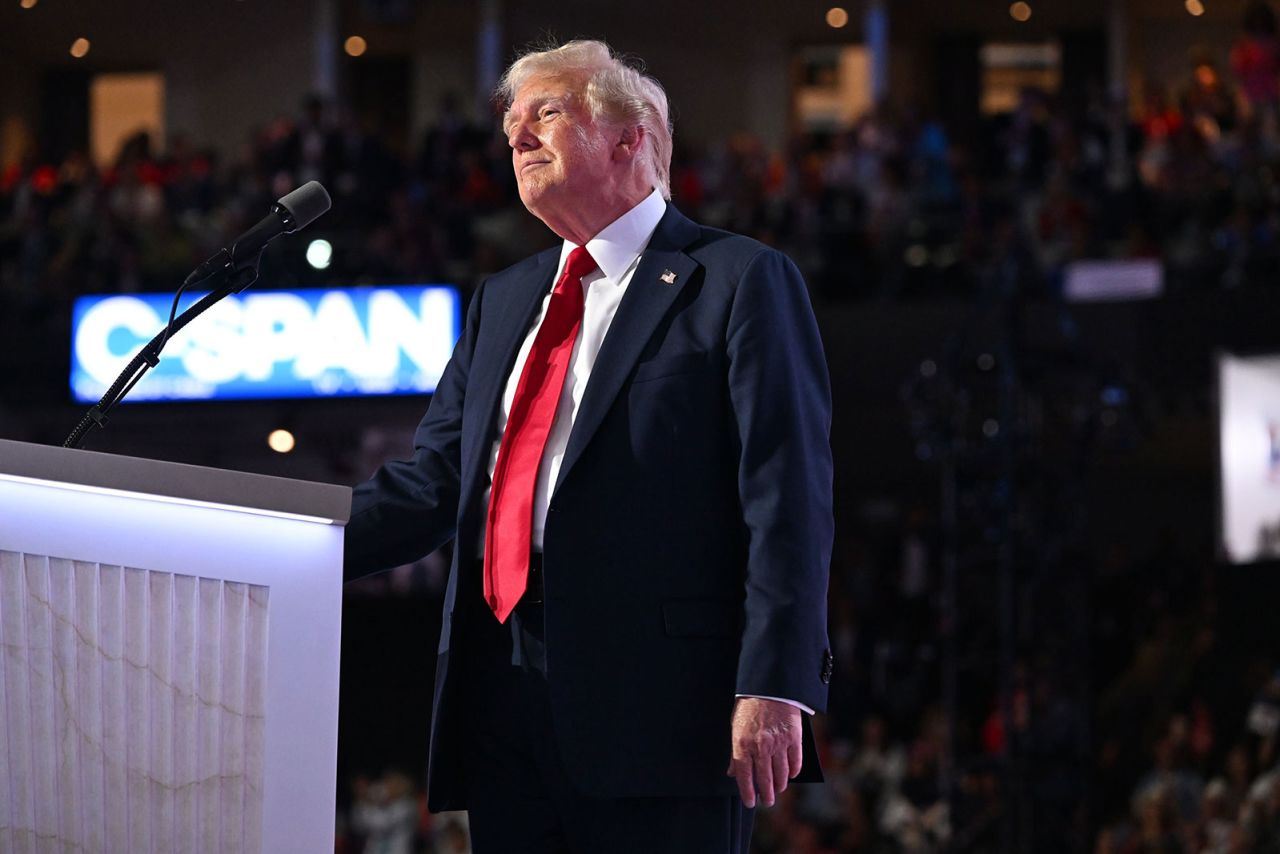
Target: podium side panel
17, 705
287, 577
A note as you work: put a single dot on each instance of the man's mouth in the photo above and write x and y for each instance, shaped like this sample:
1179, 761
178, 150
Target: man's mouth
524, 167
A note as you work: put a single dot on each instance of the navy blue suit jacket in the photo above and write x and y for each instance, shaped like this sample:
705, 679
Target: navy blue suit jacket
689, 533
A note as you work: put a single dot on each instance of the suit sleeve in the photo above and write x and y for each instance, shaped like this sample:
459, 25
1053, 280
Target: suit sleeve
409, 508
781, 398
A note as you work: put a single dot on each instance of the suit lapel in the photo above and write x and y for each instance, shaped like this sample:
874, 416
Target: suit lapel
496, 353
650, 294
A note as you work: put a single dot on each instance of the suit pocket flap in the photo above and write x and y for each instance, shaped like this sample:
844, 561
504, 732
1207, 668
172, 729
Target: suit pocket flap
702, 618
668, 366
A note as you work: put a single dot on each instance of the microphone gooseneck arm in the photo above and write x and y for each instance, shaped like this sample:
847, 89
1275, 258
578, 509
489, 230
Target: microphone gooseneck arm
149, 356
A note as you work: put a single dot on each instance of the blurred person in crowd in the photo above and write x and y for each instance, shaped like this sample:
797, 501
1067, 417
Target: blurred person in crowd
1212, 834
979, 811
635, 619
1181, 787
449, 835
452, 841
1255, 61
1264, 720
917, 817
1236, 779
877, 766
1157, 830
931, 163
1159, 121
450, 137
384, 813
1208, 103
1260, 817
1026, 144
311, 145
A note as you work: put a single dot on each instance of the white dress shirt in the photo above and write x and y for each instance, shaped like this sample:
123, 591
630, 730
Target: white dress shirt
616, 251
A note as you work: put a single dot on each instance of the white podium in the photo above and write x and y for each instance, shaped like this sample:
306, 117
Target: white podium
169, 640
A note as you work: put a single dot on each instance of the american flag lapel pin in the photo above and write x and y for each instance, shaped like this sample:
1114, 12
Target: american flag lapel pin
668, 276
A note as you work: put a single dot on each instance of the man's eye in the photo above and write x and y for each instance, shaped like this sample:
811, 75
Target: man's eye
548, 113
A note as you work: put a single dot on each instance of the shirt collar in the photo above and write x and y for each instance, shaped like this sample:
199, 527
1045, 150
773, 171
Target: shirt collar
619, 243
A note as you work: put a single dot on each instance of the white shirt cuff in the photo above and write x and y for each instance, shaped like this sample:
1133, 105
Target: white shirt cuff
801, 706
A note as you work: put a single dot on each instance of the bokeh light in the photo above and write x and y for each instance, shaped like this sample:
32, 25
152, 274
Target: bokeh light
281, 441
355, 46
319, 254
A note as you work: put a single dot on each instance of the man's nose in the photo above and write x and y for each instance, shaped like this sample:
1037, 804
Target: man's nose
521, 138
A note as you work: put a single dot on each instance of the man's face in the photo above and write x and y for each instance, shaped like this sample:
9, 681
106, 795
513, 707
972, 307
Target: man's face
561, 156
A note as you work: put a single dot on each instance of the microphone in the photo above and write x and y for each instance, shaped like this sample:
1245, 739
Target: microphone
293, 211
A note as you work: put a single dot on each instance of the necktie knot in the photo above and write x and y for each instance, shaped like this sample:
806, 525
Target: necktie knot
580, 263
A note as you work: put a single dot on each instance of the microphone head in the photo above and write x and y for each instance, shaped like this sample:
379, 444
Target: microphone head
305, 204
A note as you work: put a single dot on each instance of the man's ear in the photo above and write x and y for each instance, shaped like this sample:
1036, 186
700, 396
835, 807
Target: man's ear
629, 142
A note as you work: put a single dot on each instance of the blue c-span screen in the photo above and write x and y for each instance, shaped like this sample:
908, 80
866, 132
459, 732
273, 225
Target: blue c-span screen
271, 344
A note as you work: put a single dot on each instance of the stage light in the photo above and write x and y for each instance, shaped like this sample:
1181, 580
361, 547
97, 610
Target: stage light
355, 46
319, 254
990, 428
79, 48
1194, 8
1020, 11
837, 17
281, 441
27, 4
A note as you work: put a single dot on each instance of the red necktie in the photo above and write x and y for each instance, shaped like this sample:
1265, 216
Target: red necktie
509, 532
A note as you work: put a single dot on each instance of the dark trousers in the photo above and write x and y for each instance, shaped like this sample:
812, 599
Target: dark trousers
519, 795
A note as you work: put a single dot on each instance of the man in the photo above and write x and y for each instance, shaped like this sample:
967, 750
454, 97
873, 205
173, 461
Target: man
630, 446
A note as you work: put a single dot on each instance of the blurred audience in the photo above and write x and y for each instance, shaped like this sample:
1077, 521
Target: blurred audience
892, 207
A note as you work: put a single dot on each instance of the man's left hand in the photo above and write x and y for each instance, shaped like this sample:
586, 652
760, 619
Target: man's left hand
766, 748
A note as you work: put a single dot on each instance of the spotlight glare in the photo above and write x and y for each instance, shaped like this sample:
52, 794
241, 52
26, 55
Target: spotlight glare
80, 47
281, 441
27, 4
355, 46
1195, 8
837, 17
319, 254
1020, 11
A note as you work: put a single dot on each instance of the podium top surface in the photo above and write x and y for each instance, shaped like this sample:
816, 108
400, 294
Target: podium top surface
93, 470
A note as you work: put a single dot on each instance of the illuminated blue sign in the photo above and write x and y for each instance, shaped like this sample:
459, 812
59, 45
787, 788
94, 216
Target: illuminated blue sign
262, 344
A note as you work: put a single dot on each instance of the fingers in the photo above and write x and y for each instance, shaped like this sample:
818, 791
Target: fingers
765, 773
764, 778
781, 773
741, 770
795, 758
